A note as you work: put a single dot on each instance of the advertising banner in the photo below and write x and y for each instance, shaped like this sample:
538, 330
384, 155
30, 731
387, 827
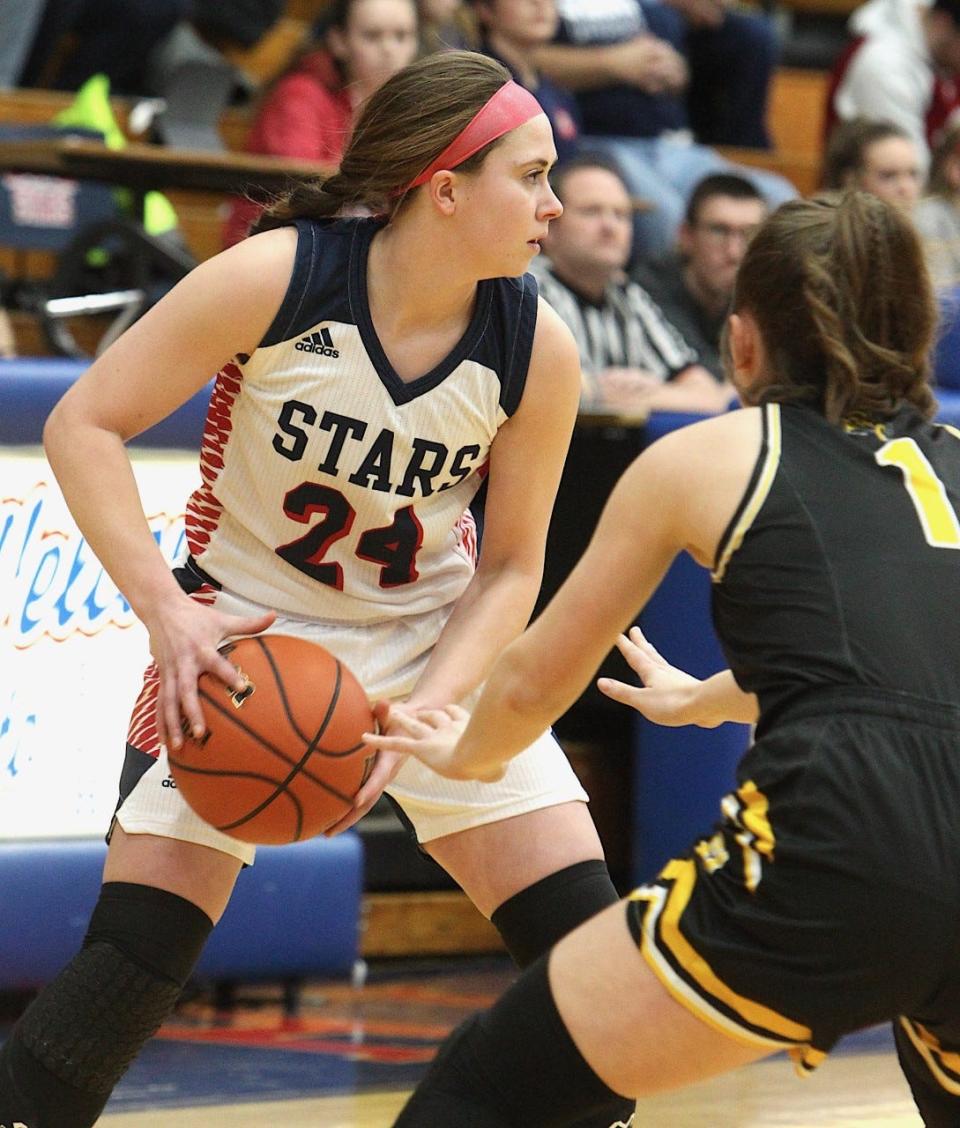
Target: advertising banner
72, 654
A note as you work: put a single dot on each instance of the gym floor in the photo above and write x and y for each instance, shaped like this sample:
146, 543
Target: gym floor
348, 1055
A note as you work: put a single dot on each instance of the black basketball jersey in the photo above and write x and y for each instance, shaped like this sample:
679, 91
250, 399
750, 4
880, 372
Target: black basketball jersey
841, 565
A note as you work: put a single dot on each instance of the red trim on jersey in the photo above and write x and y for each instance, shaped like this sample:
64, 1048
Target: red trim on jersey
142, 732
203, 509
466, 530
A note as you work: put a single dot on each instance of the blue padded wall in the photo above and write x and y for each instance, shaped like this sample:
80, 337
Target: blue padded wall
30, 386
680, 774
294, 913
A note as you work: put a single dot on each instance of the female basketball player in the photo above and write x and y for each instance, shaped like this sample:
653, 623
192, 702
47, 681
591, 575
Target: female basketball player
828, 898
371, 373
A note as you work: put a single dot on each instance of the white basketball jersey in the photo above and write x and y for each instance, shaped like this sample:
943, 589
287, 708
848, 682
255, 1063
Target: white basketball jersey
331, 488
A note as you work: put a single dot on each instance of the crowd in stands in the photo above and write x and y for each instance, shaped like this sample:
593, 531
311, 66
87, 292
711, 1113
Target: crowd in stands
632, 359
644, 97
308, 112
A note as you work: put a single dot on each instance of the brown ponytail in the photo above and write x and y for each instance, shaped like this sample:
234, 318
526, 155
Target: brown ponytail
840, 291
401, 129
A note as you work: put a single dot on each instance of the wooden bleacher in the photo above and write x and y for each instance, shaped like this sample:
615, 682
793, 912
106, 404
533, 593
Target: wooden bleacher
796, 119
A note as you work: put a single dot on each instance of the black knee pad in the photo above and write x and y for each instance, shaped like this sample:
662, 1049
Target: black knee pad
79, 1035
534, 919
513, 1066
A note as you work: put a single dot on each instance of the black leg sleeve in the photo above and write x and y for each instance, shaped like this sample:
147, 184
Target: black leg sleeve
515, 1066
534, 919
77, 1038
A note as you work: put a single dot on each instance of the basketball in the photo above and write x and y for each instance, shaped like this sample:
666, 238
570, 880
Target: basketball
282, 757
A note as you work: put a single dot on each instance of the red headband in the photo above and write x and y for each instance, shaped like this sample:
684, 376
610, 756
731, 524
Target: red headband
510, 107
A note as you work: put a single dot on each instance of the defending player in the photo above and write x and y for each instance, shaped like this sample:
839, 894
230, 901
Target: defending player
372, 372
828, 897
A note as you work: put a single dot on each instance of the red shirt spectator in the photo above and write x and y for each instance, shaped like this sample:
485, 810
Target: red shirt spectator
309, 112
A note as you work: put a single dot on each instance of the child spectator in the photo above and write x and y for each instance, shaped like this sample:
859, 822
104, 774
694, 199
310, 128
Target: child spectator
694, 286
874, 156
510, 31
309, 112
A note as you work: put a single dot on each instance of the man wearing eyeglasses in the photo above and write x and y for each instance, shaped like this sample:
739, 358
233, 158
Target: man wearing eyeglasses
693, 287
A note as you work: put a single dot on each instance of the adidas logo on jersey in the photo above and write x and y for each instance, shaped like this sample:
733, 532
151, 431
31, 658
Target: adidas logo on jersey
319, 341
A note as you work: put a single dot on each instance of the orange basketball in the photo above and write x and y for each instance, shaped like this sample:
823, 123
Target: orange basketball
282, 758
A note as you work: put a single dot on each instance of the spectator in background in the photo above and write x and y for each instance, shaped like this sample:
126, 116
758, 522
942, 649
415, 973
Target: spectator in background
937, 215
633, 360
874, 156
694, 286
624, 61
732, 56
76, 39
308, 113
445, 25
510, 31
901, 66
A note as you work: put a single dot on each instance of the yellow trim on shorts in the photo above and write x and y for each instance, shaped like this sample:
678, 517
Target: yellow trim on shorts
805, 1059
749, 808
928, 1047
770, 463
667, 907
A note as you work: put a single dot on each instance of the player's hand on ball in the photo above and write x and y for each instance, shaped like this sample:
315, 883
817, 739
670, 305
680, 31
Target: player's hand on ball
184, 642
666, 696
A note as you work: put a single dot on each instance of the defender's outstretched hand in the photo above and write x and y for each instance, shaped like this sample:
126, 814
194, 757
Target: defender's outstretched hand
432, 735
667, 696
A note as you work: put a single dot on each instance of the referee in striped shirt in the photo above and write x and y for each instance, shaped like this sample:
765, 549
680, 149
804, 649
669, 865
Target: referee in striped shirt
633, 360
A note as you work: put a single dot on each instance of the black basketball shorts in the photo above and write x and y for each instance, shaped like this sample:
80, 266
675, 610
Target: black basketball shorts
828, 897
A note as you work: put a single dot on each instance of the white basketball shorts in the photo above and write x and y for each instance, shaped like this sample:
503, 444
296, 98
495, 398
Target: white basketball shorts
387, 658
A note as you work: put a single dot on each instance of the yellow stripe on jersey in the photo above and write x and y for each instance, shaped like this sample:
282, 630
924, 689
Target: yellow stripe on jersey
928, 494
759, 496
699, 984
928, 1047
953, 430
